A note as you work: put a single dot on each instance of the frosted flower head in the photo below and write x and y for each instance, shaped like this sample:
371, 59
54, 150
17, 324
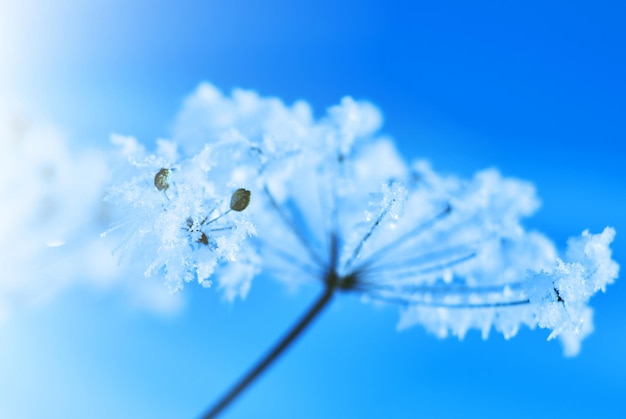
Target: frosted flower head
337, 204
348, 211
184, 219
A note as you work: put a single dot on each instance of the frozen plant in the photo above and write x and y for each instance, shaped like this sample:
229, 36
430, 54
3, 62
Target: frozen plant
337, 204
453, 252
186, 219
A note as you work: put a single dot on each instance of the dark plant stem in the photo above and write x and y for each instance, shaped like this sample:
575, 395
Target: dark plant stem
271, 356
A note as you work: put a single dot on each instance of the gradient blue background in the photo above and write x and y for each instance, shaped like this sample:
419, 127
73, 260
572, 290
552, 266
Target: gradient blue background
534, 88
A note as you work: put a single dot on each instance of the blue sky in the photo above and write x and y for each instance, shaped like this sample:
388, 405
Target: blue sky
537, 90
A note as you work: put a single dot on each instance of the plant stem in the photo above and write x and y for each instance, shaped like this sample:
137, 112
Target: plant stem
271, 356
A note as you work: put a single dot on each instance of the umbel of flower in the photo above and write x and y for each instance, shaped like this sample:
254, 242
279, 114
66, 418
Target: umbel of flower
346, 210
335, 203
185, 219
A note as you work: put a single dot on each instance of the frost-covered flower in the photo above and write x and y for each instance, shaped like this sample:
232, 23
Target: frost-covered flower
186, 218
336, 203
346, 209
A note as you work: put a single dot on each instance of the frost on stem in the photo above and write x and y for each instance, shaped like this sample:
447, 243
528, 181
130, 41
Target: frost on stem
183, 218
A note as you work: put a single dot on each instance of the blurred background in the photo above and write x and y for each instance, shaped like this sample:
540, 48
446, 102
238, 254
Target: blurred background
536, 89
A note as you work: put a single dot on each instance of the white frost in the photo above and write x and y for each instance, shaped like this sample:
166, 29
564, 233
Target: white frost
175, 213
337, 196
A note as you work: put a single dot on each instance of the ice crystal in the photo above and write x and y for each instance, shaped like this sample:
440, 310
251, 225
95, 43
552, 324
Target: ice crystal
185, 218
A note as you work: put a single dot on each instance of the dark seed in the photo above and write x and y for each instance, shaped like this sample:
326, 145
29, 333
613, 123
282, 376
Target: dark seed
204, 239
240, 200
160, 180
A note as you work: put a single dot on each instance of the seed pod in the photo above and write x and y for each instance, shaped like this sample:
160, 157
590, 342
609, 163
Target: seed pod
240, 200
160, 180
204, 239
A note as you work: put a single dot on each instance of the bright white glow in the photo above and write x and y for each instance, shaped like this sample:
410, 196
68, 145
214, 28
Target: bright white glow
52, 217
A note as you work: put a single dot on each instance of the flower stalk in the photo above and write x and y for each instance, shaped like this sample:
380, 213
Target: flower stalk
273, 354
